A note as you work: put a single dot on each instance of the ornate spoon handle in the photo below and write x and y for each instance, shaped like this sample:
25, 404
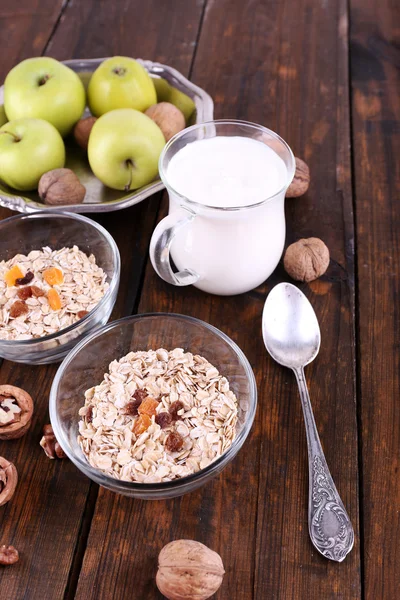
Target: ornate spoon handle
329, 525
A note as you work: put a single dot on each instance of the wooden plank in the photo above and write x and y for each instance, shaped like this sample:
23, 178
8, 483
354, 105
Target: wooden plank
39, 522
25, 30
259, 64
376, 143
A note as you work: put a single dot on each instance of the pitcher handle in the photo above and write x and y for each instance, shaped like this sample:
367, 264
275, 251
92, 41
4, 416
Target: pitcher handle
160, 245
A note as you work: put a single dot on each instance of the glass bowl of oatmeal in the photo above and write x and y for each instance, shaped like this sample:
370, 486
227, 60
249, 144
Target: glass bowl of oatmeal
59, 277
153, 406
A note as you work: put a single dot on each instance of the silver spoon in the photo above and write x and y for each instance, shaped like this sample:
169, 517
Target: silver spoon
292, 337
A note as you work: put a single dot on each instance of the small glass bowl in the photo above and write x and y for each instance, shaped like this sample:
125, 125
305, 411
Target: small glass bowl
86, 364
23, 233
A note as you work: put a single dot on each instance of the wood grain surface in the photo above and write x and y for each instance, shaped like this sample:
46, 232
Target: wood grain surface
266, 487
286, 65
375, 61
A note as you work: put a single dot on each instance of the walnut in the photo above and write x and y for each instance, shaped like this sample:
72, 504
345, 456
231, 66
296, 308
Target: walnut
168, 117
188, 569
301, 180
306, 259
50, 445
16, 409
60, 187
82, 131
8, 480
8, 555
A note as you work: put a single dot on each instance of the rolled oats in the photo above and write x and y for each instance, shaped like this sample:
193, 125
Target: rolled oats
192, 423
56, 289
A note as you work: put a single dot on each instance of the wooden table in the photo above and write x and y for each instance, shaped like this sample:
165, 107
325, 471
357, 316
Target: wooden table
323, 74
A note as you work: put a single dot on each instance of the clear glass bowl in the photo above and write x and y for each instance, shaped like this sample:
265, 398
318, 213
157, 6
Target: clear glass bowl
23, 233
86, 364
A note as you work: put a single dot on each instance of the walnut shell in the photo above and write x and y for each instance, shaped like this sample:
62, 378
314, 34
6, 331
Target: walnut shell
16, 428
82, 131
8, 555
168, 117
61, 187
8, 480
306, 259
50, 444
188, 569
301, 180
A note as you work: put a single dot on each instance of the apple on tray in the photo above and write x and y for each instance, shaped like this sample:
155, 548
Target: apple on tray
124, 148
3, 116
120, 82
28, 149
44, 88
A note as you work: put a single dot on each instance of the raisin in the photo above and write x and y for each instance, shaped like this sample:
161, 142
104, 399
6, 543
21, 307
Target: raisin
163, 419
18, 308
89, 414
36, 291
82, 313
24, 280
140, 395
132, 407
174, 442
174, 408
25, 292
141, 424
148, 406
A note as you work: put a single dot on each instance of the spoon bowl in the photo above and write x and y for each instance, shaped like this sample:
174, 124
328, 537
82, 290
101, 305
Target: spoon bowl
290, 327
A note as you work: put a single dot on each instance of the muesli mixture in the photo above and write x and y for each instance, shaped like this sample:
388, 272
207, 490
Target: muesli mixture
47, 290
157, 415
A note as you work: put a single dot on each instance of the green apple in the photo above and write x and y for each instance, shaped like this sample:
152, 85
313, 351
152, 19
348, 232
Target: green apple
124, 148
44, 88
167, 93
28, 149
3, 116
120, 82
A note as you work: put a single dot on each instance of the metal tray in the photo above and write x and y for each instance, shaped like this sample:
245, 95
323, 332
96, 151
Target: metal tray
100, 198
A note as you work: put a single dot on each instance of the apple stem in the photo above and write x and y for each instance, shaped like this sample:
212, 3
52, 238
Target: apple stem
129, 164
119, 71
16, 138
43, 79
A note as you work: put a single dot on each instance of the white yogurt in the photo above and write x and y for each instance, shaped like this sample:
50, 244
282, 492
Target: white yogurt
227, 171
233, 251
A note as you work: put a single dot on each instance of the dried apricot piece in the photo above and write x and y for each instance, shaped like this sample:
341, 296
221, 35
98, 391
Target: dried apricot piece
53, 276
148, 407
54, 299
12, 275
142, 423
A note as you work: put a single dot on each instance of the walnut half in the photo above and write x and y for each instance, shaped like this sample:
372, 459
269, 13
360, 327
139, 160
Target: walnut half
8, 480
8, 555
16, 410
